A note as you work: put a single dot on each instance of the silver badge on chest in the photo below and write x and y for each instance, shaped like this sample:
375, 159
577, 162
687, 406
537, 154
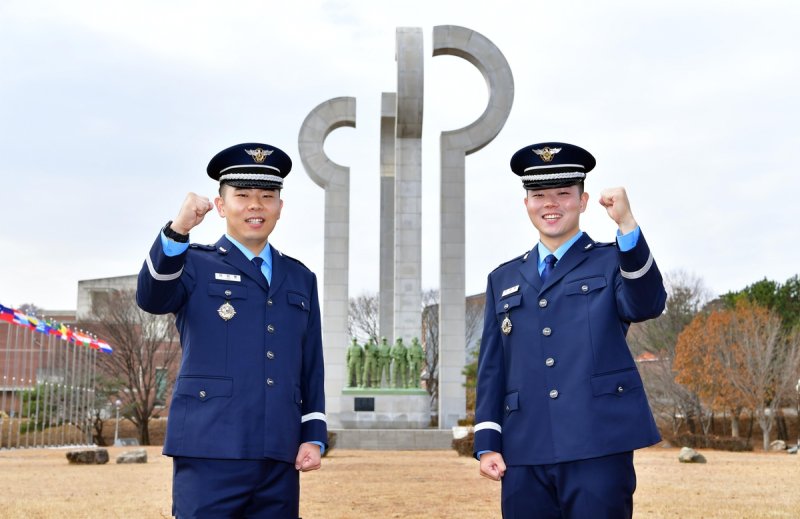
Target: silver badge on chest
226, 311
505, 326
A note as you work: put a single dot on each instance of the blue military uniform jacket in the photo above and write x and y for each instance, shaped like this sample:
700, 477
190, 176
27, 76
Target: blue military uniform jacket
251, 386
562, 385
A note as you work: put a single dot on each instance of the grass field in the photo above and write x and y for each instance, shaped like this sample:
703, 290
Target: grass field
39, 483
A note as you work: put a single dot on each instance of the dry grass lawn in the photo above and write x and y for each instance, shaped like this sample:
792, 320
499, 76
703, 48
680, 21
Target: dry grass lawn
39, 483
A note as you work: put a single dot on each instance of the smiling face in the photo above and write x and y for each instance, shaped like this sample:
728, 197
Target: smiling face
251, 214
556, 213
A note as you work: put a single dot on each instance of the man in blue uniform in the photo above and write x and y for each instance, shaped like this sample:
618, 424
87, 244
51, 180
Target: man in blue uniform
560, 403
248, 407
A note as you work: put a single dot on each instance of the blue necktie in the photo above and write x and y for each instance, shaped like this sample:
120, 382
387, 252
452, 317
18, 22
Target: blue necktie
549, 265
258, 261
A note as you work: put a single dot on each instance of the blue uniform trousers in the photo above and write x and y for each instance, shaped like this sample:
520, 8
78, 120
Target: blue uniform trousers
600, 488
224, 488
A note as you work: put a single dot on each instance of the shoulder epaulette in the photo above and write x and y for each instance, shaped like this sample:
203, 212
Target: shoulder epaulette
605, 244
521, 256
202, 247
295, 260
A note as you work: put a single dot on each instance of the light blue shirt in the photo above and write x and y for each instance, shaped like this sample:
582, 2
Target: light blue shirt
174, 248
625, 241
265, 254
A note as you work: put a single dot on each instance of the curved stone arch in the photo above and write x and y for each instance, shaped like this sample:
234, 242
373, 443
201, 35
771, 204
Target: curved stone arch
318, 124
455, 146
452, 40
335, 180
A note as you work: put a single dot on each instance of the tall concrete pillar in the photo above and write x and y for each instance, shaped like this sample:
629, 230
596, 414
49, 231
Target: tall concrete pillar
408, 185
386, 288
455, 146
335, 180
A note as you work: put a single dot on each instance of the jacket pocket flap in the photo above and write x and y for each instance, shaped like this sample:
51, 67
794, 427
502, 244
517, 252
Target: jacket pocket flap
204, 388
616, 383
584, 286
227, 291
298, 300
511, 402
504, 305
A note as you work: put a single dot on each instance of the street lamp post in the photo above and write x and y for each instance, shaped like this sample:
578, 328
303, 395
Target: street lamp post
116, 425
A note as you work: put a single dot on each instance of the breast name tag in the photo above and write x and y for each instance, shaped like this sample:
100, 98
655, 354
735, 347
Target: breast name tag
227, 277
509, 291
505, 326
226, 311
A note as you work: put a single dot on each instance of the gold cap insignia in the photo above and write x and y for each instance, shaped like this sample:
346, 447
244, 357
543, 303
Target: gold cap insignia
258, 154
547, 153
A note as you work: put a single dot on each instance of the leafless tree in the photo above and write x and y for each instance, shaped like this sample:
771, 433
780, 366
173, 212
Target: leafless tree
143, 345
670, 401
473, 325
430, 341
31, 309
362, 320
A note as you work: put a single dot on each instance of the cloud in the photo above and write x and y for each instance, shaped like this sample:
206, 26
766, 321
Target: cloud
110, 112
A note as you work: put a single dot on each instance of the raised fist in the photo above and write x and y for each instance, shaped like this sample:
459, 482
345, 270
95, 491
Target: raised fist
193, 210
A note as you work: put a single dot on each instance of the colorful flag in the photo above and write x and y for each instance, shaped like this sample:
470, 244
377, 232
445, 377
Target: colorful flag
6, 314
104, 346
20, 318
53, 328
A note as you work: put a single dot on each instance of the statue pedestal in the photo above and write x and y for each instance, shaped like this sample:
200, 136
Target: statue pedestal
384, 408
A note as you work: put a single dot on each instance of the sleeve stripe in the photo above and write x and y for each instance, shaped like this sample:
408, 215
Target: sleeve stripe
639, 273
488, 425
313, 416
161, 277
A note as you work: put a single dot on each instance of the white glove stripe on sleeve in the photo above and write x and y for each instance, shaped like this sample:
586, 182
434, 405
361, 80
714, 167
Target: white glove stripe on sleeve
161, 277
639, 273
488, 425
313, 416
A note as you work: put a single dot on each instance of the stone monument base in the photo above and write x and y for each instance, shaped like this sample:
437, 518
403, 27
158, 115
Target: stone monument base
384, 408
394, 439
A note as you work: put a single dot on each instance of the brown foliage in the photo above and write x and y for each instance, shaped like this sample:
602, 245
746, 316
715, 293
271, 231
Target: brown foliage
740, 357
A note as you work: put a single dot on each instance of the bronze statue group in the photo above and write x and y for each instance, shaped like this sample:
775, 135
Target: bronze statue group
382, 366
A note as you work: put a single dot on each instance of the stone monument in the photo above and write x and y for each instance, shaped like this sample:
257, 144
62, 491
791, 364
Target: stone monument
455, 146
398, 402
335, 180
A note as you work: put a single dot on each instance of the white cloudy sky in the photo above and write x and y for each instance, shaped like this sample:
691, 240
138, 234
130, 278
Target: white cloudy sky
109, 112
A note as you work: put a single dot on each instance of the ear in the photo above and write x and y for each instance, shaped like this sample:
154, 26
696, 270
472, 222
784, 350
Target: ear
219, 203
584, 200
280, 208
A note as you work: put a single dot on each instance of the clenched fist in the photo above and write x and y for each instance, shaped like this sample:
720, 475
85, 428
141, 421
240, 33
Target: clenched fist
615, 200
193, 210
